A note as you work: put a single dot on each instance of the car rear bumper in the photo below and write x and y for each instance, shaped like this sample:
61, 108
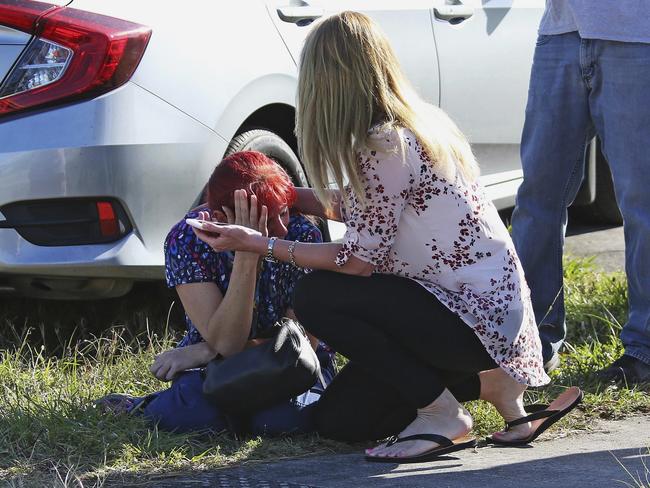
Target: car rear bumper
129, 146
73, 272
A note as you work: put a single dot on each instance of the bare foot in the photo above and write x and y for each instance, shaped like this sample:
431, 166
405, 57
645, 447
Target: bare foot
445, 416
502, 391
507, 396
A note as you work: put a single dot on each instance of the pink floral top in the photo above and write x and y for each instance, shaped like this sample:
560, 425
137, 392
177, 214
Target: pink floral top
449, 238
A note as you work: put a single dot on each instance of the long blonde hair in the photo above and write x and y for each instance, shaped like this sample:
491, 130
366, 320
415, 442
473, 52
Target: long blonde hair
349, 81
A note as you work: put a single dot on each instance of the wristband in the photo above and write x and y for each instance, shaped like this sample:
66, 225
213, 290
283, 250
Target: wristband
269, 251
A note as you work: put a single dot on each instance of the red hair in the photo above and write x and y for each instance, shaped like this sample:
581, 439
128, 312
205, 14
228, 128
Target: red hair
257, 174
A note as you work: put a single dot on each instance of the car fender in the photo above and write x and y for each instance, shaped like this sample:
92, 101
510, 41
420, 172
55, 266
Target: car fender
276, 88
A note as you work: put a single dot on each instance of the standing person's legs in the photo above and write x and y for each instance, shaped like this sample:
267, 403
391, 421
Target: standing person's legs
556, 132
620, 105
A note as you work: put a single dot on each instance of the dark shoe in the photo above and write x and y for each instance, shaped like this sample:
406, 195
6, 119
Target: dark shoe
552, 363
564, 403
627, 370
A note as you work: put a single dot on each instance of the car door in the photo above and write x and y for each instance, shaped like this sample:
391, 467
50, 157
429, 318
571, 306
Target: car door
407, 23
485, 50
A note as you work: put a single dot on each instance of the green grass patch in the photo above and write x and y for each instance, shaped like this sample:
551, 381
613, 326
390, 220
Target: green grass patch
50, 430
59, 357
596, 302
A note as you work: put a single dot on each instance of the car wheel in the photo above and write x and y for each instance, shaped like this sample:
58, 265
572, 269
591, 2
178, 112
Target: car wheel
604, 209
273, 146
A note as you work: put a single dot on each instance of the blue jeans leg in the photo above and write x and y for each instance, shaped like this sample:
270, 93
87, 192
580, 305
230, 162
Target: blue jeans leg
182, 407
556, 131
289, 417
293, 416
620, 107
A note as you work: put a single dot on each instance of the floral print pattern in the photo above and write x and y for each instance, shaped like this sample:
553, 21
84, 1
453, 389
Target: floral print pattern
447, 236
190, 260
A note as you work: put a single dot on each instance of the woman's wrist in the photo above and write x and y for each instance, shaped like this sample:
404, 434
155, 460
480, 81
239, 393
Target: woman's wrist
255, 248
249, 259
259, 245
206, 353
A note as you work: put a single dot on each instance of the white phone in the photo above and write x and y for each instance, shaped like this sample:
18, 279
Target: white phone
199, 224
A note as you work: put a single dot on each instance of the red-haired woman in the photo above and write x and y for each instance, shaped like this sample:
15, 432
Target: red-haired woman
230, 299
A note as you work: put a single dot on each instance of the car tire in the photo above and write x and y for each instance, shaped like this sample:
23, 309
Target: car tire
604, 209
272, 145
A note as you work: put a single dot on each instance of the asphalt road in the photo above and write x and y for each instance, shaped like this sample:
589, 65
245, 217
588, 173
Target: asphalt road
605, 244
612, 454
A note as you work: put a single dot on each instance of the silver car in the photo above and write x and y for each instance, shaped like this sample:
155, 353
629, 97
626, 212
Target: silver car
113, 115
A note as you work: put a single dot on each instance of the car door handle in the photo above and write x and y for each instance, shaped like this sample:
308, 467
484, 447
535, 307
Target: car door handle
299, 15
454, 14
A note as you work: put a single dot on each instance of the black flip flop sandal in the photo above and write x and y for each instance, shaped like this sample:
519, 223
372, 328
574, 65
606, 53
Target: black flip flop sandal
537, 412
445, 446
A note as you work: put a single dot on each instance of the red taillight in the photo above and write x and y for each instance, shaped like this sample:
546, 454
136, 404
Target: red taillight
75, 55
108, 224
23, 14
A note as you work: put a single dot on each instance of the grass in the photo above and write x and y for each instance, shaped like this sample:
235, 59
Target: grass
59, 357
48, 425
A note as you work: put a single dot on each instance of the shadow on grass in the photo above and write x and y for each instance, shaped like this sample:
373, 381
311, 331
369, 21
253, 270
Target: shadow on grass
57, 325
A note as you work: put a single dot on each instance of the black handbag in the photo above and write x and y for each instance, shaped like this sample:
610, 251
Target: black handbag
264, 375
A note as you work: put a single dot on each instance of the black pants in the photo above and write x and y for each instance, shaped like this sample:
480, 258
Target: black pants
404, 348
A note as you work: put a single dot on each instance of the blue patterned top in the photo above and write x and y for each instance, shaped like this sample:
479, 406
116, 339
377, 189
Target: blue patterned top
190, 260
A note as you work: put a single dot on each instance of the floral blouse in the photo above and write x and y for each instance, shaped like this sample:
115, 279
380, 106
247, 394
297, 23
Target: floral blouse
190, 260
448, 237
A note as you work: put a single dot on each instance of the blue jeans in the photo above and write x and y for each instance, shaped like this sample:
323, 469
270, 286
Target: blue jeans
580, 88
183, 408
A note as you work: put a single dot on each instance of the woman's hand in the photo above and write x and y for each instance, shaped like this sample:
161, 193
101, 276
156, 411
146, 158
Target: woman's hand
307, 203
225, 237
247, 215
243, 229
169, 363
242, 214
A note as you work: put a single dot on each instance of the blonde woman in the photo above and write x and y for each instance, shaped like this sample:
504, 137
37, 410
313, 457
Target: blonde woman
425, 295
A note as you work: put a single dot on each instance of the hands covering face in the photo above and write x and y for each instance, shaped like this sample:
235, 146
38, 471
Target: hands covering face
243, 223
